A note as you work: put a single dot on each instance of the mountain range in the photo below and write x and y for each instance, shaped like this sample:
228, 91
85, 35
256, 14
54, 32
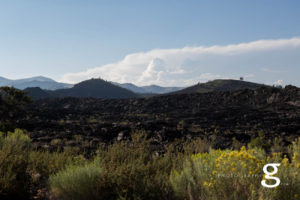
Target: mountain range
49, 84
42, 87
38, 81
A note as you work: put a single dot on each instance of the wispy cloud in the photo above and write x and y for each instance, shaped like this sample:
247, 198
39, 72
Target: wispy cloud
272, 70
189, 65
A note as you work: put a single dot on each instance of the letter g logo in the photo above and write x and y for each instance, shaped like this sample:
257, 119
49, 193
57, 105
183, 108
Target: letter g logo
269, 175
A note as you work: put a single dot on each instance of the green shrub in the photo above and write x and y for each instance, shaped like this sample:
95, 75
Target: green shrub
42, 164
129, 170
76, 182
260, 142
295, 150
236, 144
14, 152
22, 170
134, 171
197, 145
278, 145
56, 142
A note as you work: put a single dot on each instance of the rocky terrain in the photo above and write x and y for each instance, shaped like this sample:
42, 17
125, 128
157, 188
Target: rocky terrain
219, 116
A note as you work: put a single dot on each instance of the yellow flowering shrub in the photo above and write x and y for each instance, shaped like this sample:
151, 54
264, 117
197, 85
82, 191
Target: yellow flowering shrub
227, 174
220, 174
289, 174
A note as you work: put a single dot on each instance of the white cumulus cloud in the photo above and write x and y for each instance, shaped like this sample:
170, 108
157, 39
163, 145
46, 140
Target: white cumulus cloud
189, 65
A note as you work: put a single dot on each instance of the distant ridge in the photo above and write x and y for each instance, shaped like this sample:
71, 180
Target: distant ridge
220, 85
131, 87
160, 90
38, 81
149, 89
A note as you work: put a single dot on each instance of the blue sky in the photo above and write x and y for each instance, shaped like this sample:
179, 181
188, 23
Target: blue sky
74, 40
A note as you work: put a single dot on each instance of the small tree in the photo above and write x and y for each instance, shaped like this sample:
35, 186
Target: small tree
12, 105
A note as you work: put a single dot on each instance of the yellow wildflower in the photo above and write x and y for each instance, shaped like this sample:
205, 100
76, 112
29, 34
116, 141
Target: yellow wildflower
285, 161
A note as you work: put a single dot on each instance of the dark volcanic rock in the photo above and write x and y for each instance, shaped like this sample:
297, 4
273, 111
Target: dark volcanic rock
240, 114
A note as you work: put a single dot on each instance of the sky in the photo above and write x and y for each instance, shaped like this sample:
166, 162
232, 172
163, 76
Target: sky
169, 43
